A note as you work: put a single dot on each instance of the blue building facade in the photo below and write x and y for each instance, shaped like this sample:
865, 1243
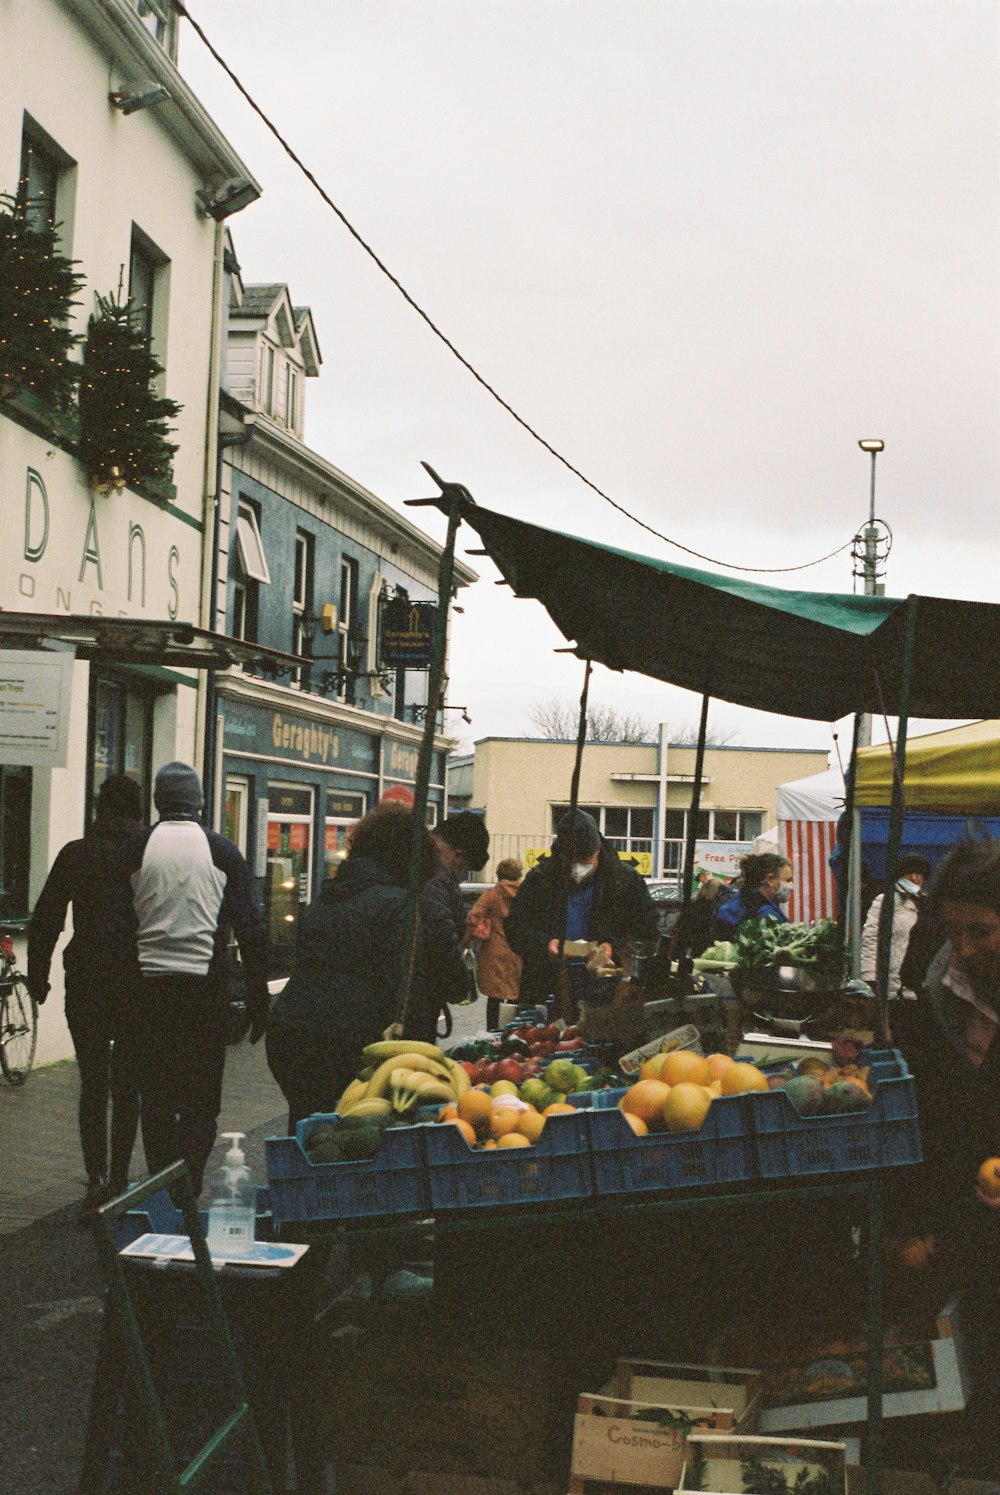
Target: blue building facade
306, 562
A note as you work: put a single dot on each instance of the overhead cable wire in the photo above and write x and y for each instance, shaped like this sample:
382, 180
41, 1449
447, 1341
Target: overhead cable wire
289, 150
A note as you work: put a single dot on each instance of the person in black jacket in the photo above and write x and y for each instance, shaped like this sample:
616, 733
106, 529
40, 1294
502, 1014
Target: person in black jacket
347, 975
100, 978
585, 891
463, 846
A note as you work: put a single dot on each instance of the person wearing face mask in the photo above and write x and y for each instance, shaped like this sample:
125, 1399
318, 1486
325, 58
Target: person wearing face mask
912, 872
764, 889
604, 901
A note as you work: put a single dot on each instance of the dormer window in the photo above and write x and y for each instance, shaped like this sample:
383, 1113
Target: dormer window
291, 398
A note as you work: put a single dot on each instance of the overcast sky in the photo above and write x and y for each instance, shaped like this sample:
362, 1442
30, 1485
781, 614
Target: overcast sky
702, 246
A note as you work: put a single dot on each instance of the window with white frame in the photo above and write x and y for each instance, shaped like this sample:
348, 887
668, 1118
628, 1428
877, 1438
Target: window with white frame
291, 397
346, 622
267, 379
302, 589
250, 572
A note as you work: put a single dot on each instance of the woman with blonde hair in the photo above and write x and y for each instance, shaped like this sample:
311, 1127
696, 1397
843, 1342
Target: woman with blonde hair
498, 968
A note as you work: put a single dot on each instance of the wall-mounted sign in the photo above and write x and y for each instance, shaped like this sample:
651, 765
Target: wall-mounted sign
256, 732
408, 634
34, 706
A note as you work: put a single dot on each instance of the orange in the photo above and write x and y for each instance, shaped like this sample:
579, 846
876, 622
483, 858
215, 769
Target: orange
739, 1078
448, 1113
468, 1131
504, 1121
988, 1178
916, 1252
476, 1108
559, 1108
718, 1064
637, 1124
685, 1108
513, 1139
684, 1067
645, 1100
489, 1145
649, 1069
531, 1125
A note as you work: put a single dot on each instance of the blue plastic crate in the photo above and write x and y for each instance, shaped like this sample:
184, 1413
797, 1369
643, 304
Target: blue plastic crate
555, 1167
720, 1152
393, 1182
886, 1135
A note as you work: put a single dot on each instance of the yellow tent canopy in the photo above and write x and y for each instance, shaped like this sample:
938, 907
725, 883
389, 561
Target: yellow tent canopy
952, 772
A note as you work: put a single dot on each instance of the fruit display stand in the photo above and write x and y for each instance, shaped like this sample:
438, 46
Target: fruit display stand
393, 1182
554, 1168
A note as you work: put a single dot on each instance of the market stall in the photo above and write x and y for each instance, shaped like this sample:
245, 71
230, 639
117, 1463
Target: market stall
808, 811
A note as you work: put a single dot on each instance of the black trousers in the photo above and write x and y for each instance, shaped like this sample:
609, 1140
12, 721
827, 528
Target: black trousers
103, 1033
312, 1070
183, 1053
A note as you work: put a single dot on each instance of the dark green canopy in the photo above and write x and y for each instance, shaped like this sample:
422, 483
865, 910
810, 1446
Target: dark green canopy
819, 655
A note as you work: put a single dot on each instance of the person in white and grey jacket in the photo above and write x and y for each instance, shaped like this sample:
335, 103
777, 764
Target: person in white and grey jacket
912, 872
189, 886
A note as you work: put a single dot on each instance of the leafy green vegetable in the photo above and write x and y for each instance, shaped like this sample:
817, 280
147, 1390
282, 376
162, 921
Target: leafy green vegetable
767, 941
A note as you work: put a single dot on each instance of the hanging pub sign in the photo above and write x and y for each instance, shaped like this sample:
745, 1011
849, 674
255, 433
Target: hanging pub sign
408, 634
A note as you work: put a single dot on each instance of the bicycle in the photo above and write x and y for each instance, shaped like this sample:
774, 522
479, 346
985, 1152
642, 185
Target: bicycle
18, 1013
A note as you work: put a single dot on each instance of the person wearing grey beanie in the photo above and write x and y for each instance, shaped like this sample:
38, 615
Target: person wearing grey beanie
190, 887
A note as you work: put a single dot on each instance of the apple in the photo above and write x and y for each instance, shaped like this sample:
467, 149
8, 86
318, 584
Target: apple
988, 1179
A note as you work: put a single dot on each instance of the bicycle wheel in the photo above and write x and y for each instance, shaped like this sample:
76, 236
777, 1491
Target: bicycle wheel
18, 1031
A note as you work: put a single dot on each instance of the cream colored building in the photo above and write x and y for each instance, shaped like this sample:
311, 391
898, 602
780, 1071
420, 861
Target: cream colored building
117, 152
640, 794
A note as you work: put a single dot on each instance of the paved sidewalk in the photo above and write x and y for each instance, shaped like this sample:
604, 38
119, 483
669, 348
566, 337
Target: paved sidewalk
40, 1145
42, 1167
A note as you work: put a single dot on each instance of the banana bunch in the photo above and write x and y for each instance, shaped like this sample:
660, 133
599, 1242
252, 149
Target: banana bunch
403, 1075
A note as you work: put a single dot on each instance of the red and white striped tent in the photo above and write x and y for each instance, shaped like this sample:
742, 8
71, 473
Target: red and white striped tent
808, 811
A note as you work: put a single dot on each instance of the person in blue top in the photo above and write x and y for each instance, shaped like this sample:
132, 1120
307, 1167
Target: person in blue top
764, 889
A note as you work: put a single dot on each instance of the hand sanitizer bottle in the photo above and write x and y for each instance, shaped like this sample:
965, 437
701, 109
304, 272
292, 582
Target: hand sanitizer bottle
232, 1210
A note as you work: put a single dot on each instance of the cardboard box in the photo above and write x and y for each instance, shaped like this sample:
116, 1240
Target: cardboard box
714, 1463
633, 1432
667, 1384
848, 1403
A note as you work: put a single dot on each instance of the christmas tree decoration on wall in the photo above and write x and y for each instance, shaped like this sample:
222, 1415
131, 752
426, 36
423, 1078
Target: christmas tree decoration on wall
37, 290
124, 424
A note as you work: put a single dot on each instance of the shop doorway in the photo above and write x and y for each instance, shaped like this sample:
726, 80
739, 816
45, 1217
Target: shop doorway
288, 882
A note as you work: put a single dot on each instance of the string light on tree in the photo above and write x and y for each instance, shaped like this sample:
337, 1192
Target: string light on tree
38, 286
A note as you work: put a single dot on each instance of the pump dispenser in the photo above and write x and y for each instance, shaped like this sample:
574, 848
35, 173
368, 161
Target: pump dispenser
232, 1210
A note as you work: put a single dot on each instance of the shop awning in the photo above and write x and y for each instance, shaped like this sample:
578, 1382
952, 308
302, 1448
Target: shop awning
951, 773
115, 641
819, 655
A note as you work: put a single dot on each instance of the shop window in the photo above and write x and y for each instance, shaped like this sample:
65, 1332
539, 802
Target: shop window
235, 812
751, 824
15, 840
726, 826
121, 732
